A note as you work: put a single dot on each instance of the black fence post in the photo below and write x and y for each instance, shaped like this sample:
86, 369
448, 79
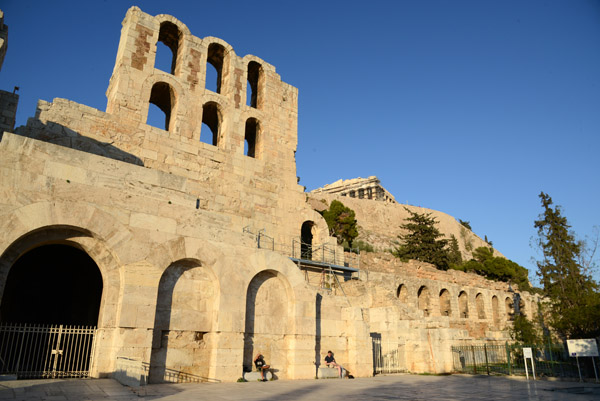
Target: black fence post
487, 365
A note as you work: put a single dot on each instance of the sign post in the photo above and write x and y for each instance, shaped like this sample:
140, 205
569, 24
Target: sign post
528, 354
583, 347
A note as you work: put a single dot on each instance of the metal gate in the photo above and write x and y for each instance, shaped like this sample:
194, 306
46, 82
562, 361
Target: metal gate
46, 352
386, 358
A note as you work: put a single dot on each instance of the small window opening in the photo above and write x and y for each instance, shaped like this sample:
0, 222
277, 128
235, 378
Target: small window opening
216, 55
254, 76
163, 98
250, 137
210, 122
167, 47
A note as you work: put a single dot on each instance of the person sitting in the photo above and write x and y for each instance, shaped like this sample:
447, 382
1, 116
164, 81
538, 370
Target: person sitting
261, 366
331, 363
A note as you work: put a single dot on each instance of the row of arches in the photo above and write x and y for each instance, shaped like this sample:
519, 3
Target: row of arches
59, 283
425, 300
169, 53
164, 99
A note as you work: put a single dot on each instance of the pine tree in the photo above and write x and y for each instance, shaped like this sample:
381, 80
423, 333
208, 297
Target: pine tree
574, 298
421, 242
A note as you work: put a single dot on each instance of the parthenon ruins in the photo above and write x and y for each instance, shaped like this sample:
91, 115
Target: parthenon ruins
184, 250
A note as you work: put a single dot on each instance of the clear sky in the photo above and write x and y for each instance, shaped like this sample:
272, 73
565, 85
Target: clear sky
468, 107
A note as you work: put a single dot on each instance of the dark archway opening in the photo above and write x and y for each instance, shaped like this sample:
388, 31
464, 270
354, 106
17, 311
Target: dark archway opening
53, 284
306, 238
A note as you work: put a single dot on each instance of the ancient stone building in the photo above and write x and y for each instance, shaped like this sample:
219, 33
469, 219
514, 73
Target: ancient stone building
362, 188
191, 247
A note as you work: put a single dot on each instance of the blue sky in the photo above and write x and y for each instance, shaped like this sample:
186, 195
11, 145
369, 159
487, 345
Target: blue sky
468, 107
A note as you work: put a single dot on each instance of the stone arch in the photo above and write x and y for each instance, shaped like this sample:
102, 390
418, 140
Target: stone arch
495, 309
423, 300
183, 325
252, 138
269, 318
256, 85
83, 227
216, 58
402, 293
164, 97
509, 308
320, 229
173, 34
212, 117
463, 304
480, 306
171, 37
306, 239
445, 305
165, 92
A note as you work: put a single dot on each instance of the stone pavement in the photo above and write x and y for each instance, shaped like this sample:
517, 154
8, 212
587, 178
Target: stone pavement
393, 387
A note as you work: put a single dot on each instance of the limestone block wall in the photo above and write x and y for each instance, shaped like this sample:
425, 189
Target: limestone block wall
258, 191
420, 312
181, 292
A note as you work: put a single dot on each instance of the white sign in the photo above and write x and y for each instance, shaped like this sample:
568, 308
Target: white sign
582, 347
527, 353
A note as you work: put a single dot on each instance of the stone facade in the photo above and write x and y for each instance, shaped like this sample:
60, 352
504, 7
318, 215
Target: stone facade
361, 188
8, 100
174, 226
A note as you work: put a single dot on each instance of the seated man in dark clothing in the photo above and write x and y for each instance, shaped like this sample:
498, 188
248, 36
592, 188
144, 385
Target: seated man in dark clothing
261, 366
330, 362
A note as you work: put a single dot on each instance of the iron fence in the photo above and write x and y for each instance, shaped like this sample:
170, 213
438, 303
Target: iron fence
46, 351
386, 356
507, 359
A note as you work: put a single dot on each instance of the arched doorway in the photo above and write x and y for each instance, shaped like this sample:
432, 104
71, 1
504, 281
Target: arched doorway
53, 284
49, 310
268, 300
181, 346
306, 238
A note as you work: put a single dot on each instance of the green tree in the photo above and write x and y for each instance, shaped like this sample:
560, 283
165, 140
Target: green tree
454, 255
341, 221
574, 307
524, 331
493, 267
422, 241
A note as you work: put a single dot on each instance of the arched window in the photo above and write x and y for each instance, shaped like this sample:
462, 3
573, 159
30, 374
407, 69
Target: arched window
210, 122
480, 306
445, 308
463, 304
216, 55
402, 293
251, 137
163, 97
423, 297
255, 83
167, 47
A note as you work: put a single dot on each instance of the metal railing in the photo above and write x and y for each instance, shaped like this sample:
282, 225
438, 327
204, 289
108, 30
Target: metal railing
386, 357
296, 248
46, 351
507, 359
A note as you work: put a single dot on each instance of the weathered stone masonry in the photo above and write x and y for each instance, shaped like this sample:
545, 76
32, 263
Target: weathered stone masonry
170, 222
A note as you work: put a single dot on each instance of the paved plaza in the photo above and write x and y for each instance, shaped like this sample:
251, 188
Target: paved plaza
393, 387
